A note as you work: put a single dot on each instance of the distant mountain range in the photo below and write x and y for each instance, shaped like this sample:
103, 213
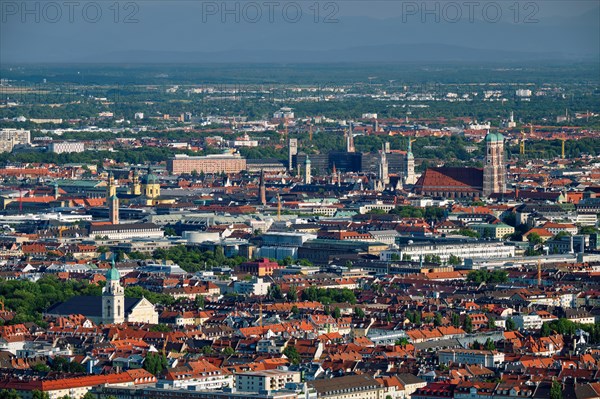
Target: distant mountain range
179, 35
382, 53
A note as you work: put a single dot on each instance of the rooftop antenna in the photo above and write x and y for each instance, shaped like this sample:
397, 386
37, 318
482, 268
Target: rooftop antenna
20, 200
522, 143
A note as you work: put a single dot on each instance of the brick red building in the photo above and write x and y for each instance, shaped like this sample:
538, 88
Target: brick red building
260, 268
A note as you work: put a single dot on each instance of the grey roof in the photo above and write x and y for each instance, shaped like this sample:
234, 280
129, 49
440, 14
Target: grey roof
123, 227
344, 384
408, 379
90, 306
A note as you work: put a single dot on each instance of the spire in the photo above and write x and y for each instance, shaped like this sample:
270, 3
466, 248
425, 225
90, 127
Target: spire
111, 188
262, 189
307, 171
350, 140
113, 273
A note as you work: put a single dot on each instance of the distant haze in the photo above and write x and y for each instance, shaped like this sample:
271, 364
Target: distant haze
342, 31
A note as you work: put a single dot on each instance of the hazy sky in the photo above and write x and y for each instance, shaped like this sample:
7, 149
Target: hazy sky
61, 31
388, 9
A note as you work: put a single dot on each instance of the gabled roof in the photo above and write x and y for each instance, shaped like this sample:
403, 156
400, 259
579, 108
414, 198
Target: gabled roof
89, 306
451, 178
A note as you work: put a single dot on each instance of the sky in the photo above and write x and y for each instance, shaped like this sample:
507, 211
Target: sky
299, 30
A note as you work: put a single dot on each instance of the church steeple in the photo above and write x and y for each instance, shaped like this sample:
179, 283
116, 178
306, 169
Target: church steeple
494, 170
350, 139
383, 167
113, 297
307, 171
262, 189
136, 188
111, 188
113, 209
409, 165
151, 185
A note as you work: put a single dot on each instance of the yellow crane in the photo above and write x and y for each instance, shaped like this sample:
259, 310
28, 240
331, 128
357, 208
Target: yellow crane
60, 231
164, 348
562, 148
522, 143
285, 125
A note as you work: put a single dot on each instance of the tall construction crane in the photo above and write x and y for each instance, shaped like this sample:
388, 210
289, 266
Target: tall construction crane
562, 147
60, 231
410, 141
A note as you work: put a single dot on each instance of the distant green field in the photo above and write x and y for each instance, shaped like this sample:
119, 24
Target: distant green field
407, 73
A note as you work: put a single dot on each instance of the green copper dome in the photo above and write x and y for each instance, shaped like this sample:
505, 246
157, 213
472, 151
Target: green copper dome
150, 178
113, 273
494, 137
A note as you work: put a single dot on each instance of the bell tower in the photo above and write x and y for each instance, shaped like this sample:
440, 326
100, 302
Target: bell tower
494, 170
409, 165
307, 171
113, 298
136, 187
111, 188
151, 185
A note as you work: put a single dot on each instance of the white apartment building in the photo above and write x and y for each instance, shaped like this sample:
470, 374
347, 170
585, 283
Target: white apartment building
267, 380
523, 93
61, 147
126, 231
196, 375
11, 137
528, 321
378, 205
471, 356
494, 230
586, 219
256, 286
464, 250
